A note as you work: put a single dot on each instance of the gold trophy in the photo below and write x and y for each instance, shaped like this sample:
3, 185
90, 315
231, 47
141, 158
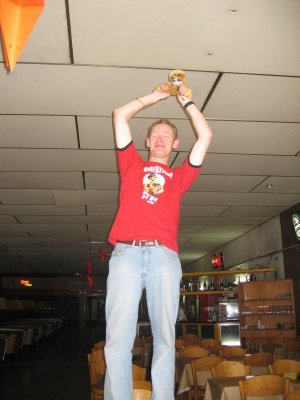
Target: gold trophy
176, 78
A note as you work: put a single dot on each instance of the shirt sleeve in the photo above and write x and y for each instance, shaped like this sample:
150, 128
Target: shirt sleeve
127, 156
188, 174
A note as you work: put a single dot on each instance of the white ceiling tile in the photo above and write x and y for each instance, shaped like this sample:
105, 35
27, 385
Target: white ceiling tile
41, 180
245, 164
101, 180
201, 211
35, 219
37, 209
43, 227
104, 209
255, 98
96, 133
79, 197
57, 160
239, 199
26, 196
247, 40
222, 220
255, 137
35, 131
7, 219
284, 184
226, 183
257, 211
83, 219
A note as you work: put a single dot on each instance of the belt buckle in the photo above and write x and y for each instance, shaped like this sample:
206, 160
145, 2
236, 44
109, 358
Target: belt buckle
147, 243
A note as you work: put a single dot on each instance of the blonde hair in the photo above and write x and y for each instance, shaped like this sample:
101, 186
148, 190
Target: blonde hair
163, 121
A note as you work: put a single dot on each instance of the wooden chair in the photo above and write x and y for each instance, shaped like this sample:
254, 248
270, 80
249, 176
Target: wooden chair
212, 344
191, 338
180, 343
97, 370
229, 368
232, 351
138, 372
292, 350
97, 354
140, 384
141, 394
138, 351
194, 351
295, 395
259, 359
282, 366
202, 364
99, 345
264, 385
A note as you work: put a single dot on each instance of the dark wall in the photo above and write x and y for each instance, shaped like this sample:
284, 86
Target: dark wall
291, 251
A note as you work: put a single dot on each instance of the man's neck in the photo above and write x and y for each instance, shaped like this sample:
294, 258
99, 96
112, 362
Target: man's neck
162, 160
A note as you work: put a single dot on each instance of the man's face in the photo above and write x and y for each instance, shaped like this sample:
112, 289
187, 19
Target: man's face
161, 141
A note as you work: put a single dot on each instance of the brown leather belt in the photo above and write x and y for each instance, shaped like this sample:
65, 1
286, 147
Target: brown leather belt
142, 243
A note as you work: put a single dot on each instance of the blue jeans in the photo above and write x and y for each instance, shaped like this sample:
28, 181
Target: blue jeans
132, 268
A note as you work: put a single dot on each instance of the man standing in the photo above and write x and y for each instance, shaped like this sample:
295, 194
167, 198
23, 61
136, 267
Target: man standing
144, 234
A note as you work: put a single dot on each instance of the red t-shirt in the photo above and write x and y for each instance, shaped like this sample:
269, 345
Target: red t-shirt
150, 195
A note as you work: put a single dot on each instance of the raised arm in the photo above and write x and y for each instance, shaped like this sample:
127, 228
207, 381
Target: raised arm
203, 132
123, 114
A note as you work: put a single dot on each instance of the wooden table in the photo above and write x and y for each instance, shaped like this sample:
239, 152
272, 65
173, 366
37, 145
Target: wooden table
184, 375
228, 389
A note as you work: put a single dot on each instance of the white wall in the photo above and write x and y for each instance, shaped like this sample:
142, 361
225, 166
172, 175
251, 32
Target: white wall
260, 247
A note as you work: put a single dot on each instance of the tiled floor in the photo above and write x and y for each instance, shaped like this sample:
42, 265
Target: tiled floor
55, 370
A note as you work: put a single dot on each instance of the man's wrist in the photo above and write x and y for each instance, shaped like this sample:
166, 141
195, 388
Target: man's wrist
189, 103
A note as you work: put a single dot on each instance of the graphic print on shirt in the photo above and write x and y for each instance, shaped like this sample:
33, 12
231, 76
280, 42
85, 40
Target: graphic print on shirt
153, 183
153, 186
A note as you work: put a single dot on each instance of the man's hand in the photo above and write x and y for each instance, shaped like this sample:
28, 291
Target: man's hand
160, 90
184, 96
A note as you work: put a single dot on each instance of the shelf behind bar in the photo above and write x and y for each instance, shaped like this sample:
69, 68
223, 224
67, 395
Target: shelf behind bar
229, 272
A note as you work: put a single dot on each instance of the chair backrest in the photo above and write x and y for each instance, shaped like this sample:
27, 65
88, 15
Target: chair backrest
282, 366
97, 369
99, 345
213, 344
138, 351
97, 354
232, 351
203, 364
139, 372
229, 368
292, 350
140, 384
210, 342
141, 394
180, 343
191, 338
194, 351
295, 395
264, 385
259, 359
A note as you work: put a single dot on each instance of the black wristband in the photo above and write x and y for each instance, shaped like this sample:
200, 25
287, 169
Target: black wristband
189, 103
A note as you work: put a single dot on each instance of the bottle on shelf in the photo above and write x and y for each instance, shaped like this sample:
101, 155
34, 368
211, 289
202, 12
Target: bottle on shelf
190, 287
221, 284
205, 288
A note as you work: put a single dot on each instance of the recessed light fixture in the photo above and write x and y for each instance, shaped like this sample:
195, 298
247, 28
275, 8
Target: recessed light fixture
269, 186
232, 11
